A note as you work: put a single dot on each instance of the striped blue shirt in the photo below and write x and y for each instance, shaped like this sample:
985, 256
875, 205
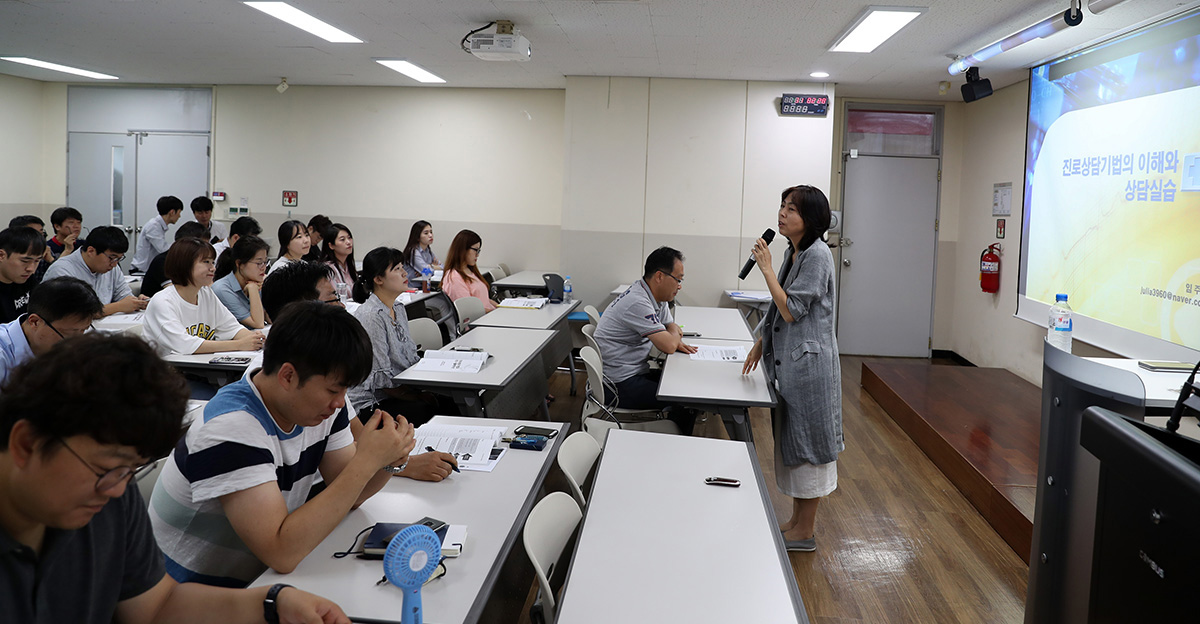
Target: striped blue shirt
234, 447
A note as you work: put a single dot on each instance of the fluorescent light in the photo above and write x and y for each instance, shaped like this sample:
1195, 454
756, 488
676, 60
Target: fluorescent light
58, 68
412, 71
876, 25
304, 21
819, 74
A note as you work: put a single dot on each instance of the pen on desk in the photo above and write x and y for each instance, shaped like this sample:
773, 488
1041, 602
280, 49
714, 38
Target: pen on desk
433, 450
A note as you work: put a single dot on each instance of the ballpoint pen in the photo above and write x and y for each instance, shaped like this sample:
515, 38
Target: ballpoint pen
433, 450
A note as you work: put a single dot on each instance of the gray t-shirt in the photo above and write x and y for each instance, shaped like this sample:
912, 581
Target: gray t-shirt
624, 330
81, 575
230, 292
109, 287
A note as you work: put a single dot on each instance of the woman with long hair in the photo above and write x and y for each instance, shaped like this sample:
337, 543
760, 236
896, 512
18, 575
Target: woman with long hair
240, 272
799, 354
418, 253
293, 243
337, 251
461, 277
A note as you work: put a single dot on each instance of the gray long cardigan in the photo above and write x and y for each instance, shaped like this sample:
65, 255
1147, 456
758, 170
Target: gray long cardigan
801, 357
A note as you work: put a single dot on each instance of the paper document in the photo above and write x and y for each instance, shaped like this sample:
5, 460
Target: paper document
755, 295
719, 354
470, 445
450, 361
530, 303
119, 322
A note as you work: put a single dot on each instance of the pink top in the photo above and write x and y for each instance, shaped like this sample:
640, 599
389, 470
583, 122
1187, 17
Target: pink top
456, 288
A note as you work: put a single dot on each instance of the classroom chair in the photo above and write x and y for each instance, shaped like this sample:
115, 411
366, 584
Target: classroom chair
554, 286
576, 456
599, 415
589, 334
547, 529
468, 309
499, 272
593, 314
426, 333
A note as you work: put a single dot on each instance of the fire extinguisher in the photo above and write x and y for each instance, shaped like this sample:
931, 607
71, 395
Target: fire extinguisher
989, 269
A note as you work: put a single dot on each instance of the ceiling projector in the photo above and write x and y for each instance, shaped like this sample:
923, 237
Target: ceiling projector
499, 47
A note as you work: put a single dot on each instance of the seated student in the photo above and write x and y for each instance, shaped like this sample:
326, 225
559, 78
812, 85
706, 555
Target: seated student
153, 238
637, 319
240, 274
21, 250
186, 317
293, 244
35, 223
309, 281
155, 278
202, 210
99, 265
461, 277
58, 308
243, 226
418, 253
67, 223
337, 252
232, 502
75, 540
316, 235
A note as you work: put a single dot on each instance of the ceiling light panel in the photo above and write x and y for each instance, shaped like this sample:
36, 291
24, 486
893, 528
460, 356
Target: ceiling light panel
290, 14
415, 72
58, 68
876, 25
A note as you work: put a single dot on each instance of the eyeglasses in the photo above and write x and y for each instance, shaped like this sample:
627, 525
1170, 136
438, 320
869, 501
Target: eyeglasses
114, 259
260, 263
108, 480
476, 249
678, 280
63, 336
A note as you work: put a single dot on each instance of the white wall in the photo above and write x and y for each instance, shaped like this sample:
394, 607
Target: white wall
33, 161
694, 164
378, 159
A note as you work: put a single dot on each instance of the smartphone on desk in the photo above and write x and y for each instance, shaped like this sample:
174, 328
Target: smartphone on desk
230, 359
537, 431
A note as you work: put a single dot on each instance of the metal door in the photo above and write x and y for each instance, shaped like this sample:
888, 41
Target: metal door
170, 164
889, 247
101, 179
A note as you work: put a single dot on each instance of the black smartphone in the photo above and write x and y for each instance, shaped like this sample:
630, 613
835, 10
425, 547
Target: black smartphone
725, 481
541, 431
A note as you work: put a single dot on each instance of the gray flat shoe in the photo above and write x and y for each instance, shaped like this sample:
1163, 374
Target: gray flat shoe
804, 545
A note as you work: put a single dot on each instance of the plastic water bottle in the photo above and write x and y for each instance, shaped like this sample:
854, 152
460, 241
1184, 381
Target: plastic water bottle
426, 278
1059, 332
567, 290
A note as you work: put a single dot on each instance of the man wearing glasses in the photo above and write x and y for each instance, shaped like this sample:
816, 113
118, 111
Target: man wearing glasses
298, 281
75, 540
98, 265
21, 250
58, 308
636, 319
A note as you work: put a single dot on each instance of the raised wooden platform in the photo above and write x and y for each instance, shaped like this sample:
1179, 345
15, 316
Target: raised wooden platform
979, 426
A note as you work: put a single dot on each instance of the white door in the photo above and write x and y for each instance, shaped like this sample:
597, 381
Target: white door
888, 249
170, 164
101, 179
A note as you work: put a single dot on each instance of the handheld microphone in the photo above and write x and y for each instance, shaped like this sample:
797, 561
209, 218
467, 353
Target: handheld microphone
767, 236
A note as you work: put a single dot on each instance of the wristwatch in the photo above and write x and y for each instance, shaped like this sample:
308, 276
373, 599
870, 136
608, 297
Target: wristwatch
397, 469
271, 603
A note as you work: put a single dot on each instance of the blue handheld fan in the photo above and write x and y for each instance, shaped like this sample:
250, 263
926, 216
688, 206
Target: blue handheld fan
411, 557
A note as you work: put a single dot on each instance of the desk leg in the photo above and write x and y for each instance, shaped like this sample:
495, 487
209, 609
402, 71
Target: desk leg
737, 423
571, 366
546, 409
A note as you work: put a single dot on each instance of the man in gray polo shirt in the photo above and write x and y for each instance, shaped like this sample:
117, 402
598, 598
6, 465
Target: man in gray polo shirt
75, 539
98, 265
636, 319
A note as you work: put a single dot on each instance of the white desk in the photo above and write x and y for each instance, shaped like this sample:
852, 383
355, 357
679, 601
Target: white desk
493, 505
506, 374
619, 289
751, 303
523, 280
1162, 389
713, 323
116, 323
552, 316
717, 387
658, 545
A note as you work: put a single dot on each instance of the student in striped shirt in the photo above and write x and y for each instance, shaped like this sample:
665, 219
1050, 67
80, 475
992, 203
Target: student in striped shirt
231, 501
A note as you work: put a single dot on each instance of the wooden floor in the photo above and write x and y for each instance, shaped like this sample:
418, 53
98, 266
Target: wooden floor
896, 541
979, 426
